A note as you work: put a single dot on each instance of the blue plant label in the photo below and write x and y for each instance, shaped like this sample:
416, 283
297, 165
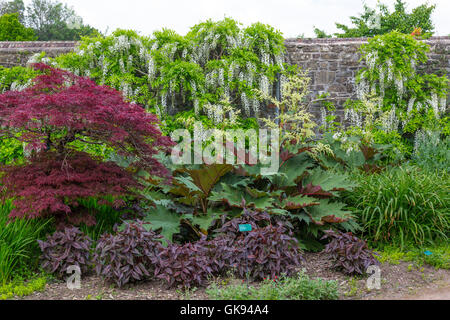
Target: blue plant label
428, 253
245, 227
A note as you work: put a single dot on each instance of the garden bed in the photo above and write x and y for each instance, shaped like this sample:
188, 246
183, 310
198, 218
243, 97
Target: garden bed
399, 281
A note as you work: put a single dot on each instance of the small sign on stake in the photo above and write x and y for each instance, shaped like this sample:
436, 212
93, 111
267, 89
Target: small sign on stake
245, 227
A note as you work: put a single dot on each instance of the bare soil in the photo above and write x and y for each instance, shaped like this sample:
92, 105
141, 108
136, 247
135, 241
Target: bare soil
398, 282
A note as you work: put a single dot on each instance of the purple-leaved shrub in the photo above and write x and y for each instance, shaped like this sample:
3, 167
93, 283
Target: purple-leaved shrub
64, 249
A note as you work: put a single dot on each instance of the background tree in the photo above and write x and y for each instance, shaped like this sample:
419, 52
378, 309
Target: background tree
379, 20
14, 6
12, 30
321, 34
56, 21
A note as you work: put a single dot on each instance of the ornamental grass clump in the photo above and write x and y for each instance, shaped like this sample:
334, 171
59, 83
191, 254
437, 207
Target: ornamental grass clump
403, 206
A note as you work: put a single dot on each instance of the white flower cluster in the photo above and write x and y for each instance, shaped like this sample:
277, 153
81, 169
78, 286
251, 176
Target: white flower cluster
121, 44
390, 122
434, 103
399, 85
439, 105
424, 137
164, 102
126, 89
214, 112
264, 85
323, 117
16, 86
410, 105
245, 103
35, 58
353, 117
196, 106
372, 58
221, 77
443, 104
256, 106
265, 58
362, 89
151, 69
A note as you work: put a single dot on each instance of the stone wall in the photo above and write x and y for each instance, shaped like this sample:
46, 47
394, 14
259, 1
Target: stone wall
332, 63
18, 53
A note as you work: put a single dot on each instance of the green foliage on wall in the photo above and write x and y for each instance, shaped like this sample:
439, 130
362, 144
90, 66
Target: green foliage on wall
415, 99
216, 63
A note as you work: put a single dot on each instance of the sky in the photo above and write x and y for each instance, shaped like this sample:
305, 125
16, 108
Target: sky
292, 17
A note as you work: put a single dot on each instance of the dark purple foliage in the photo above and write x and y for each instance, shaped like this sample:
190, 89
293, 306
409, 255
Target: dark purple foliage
128, 255
349, 253
135, 254
64, 249
270, 252
218, 252
230, 229
185, 265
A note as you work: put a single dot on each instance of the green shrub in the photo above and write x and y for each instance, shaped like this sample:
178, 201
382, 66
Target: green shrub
403, 205
295, 288
10, 150
15, 78
21, 288
437, 256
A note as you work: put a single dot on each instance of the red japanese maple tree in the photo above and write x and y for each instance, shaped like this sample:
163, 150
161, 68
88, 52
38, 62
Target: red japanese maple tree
57, 110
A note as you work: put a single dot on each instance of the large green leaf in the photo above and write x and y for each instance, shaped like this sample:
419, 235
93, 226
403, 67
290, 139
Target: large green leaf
198, 183
204, 221
329, 180
188, 183
331, 212
164, 219
299, 202
291, 170
207, 177
233, 197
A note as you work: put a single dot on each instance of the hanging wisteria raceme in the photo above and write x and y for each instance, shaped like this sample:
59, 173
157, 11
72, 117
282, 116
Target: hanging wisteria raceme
353, 117
410, 105
391, 75
434, 103
16, 86
391, 122
245, 103
168, 72
323, 117
256, 106
443, 105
